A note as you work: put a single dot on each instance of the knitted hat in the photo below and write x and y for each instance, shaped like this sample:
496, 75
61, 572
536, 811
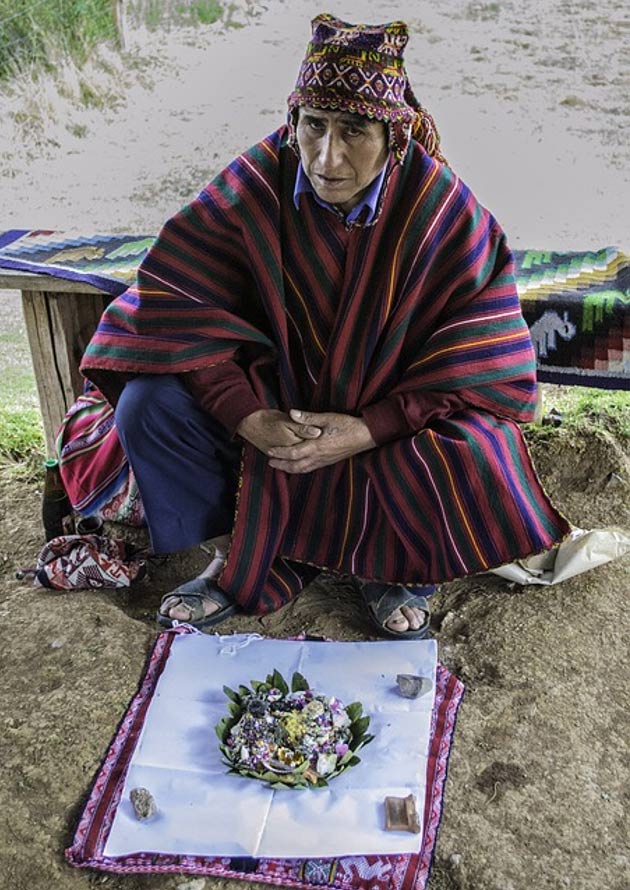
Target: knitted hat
359, 68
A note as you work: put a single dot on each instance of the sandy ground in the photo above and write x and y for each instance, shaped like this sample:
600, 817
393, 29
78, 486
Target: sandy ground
533, 106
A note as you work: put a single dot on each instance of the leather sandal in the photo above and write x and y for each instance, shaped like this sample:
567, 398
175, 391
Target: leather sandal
382, 600
192, 595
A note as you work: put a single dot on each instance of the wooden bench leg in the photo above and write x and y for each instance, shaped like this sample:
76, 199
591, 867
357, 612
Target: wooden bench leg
59, 326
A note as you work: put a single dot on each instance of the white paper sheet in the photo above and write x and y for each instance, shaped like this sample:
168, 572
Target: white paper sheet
204, 811
580, 551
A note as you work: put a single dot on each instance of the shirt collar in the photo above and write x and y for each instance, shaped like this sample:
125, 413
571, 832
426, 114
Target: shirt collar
369, 199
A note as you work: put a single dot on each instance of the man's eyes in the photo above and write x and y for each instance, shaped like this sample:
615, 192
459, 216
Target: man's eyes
320, 127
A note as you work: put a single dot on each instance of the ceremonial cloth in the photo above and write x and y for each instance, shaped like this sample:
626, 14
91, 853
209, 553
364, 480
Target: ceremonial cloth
205, 811
108, 802
329, 316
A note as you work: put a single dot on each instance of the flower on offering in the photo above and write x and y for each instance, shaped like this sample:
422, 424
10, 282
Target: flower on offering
291, 738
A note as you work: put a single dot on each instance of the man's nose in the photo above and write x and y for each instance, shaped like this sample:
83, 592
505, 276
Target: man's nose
331, 152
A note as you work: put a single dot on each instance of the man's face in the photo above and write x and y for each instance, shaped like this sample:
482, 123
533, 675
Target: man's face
342, 153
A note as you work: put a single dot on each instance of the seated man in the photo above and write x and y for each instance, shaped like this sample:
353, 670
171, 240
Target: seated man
324, 358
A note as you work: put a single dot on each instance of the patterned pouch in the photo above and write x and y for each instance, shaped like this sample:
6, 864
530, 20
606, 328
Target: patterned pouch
84, 562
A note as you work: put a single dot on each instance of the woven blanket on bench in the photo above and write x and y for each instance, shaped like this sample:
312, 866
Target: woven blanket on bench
577, 304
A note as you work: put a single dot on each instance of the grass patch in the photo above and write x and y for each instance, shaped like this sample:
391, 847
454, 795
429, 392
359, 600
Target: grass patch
21, 439
22, 446
206, 11
21, 434
155, 14
583, 407
35, 32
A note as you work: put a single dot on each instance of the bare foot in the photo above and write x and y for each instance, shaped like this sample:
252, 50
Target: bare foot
176, 610
406, 618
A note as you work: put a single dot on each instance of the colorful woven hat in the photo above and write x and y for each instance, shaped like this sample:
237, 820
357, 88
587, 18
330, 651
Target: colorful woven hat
359, 68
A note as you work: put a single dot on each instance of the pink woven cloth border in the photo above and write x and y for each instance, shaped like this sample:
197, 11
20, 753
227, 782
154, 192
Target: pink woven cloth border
398, 872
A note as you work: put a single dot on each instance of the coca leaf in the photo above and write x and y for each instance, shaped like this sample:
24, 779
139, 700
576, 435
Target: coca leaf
223, 726
354, 710
359, 727
299, 683
278, 682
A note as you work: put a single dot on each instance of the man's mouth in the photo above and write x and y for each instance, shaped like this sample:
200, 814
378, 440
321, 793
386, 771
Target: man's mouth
331, 181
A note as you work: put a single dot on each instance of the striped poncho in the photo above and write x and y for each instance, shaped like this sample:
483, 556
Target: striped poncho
334, 317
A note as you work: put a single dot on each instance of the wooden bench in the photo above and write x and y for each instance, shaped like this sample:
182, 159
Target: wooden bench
60, 317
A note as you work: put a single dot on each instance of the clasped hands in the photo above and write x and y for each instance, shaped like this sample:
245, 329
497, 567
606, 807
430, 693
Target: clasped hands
302, 441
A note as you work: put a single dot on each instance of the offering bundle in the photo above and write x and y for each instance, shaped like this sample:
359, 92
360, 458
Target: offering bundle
290, 737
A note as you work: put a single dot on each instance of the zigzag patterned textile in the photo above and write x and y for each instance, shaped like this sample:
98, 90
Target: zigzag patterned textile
577, 306
240, 272
109, 262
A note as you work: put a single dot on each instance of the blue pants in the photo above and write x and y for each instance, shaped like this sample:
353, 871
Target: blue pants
184, 462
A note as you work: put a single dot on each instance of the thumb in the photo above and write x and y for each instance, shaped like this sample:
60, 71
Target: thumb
306, 429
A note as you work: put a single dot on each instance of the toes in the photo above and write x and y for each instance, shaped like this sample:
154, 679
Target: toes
397, 622
169, 603
182, 612
175, 608
415, 617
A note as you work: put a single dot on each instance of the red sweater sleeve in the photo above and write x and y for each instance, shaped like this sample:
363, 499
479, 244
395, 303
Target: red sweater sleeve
224, 391
406, 413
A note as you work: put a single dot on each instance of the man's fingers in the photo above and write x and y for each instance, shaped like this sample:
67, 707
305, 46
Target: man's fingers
309, 432
304, 431
291, 452
304, 426
295, 466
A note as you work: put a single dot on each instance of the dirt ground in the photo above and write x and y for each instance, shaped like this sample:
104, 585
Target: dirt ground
532, 103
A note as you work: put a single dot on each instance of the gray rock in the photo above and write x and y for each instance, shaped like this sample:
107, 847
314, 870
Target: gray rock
411, 686
143, 803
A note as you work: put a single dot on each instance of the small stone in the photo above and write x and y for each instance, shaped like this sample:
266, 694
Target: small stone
401, 814
455, 860
411, 686
195, 884
56, 644
143, 803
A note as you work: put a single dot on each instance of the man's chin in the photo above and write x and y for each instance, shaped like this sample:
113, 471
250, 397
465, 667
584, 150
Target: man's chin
332, 195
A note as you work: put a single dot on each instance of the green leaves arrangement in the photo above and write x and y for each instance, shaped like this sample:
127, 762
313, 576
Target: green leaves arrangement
275, 698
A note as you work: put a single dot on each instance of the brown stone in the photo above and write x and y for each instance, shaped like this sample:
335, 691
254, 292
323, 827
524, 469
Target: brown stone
401, 814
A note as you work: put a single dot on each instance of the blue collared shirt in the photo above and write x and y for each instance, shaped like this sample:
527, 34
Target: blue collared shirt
369, 199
